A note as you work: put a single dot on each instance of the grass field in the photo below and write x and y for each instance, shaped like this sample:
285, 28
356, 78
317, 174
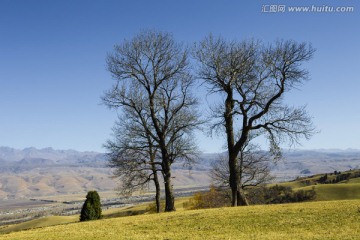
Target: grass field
342, 191
312, 220
345, 190
322, 219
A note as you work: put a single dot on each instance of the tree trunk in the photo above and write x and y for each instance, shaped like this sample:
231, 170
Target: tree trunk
155, 173
233, 178
238, 169
157, 194
169, 195
241, 197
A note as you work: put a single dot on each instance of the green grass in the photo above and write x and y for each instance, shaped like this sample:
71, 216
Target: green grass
354, 180
349, 189
312, 220
340, 191
301, 182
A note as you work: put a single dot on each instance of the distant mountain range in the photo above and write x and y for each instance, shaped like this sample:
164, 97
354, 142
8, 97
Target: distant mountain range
35, 172
11, 154
32, 173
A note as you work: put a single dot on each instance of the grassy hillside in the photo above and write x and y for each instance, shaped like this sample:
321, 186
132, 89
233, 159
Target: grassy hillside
315, 220
341, 191
347, 189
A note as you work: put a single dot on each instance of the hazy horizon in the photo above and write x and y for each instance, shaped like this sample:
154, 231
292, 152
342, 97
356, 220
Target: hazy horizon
202, 152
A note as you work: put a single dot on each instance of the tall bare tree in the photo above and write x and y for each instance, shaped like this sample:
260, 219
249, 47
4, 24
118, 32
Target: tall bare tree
253, 80
133, 153
157, 68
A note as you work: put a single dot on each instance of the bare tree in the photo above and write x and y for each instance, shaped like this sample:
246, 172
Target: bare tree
253, 79
154, 66
133, 154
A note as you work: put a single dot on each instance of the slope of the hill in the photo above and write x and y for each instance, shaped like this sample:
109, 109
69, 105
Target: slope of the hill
345, 188
313, 220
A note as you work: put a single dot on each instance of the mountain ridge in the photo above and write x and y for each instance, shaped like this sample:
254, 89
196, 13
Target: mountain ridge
32, 172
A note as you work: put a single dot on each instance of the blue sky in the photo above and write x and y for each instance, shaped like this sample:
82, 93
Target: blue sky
52, 63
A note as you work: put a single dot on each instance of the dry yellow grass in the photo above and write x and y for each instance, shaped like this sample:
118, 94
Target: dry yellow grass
313, 220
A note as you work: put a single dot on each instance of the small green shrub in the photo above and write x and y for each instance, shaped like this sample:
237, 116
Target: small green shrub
91, 209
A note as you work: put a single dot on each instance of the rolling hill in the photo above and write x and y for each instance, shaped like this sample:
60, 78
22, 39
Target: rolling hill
342, 190
312, 220
335, 192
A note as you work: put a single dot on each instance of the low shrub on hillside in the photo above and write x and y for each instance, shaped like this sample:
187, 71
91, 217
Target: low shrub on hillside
212, 199
258, 195
151, 208
278, 194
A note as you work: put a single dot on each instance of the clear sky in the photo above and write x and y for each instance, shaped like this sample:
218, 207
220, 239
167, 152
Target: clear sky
52, 62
